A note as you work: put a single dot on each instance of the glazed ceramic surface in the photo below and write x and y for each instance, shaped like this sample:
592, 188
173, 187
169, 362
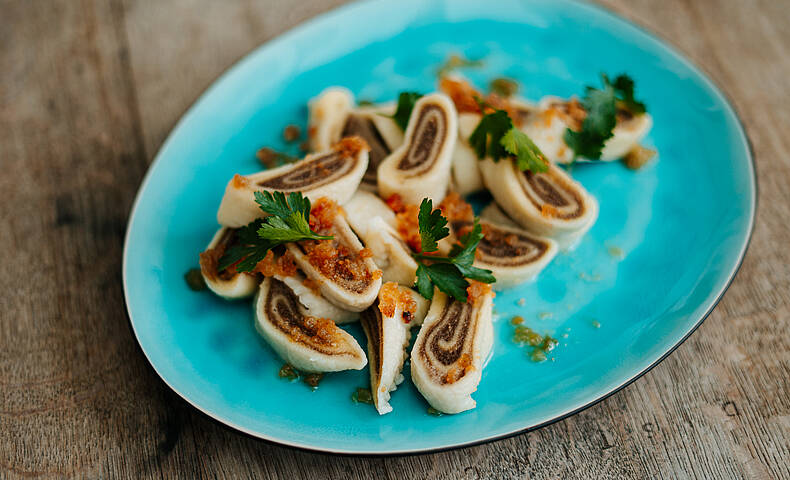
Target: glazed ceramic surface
667, 243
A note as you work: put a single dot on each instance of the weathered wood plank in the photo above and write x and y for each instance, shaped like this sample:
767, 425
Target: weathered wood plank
90, 89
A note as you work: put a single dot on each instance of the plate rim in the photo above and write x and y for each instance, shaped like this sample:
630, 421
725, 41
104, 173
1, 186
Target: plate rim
639, 29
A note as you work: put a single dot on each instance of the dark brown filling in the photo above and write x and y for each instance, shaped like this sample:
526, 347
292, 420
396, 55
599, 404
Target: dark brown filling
428, 136
504, 247
455, 325
379, 150
283, 310
549, 190
373, 326
311, 174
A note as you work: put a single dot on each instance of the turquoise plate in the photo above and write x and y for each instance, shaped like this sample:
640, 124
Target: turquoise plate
682, 224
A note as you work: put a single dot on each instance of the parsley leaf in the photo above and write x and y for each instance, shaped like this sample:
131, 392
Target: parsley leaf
250, 249
597, 125
288, 222
496, 137
601, 106
487, 137
406, 101
528, 155
432, 226
448, 274
445, 277
624, 88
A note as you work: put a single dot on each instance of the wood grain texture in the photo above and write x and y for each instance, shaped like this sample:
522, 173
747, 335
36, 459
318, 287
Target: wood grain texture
89, 90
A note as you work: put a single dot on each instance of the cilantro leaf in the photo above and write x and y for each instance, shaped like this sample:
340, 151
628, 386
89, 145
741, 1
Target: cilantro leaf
624, 88
406, 101
597, 125
487, 137
432, 226
528, 155
448, 274
288, 221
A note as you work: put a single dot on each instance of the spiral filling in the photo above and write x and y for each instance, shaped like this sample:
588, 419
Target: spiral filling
551, 194
447, 349
505, 248
427, 139
284, 311
312, 173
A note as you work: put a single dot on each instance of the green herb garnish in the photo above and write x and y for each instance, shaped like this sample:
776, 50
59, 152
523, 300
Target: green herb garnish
528, 155
288, 221
597, 126
624, 89
406, 101
486, 139
601, 107
362, 395
448, 274
496, 137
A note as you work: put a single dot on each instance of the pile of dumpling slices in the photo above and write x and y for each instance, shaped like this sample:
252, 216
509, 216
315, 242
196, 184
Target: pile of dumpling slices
362, 158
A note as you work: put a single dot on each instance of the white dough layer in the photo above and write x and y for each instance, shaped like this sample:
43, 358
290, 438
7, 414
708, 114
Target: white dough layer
420, 167
300, 339
448, 355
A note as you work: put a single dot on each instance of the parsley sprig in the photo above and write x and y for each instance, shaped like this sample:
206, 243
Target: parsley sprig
448, 274
496, 137
406, 101
601, 107
288, 221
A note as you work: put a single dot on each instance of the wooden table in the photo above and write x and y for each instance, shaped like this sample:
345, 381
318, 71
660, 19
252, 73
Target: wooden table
88, 92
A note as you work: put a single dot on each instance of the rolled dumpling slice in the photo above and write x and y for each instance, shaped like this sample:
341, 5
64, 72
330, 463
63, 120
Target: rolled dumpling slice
420, 167
549, 204
344, 271
374, 222
546, 127
333, 116
309, 343
228, 284
513, 255
387, 324
334, 174
448, 356
316, 305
